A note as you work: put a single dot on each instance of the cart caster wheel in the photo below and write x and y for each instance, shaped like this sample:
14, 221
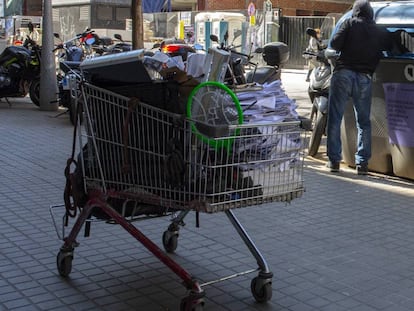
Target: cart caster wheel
170, 241
261, 289
189, 304
64, 263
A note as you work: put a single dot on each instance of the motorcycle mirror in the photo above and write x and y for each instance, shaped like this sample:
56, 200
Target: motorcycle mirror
118, 37
214, 38
311, 32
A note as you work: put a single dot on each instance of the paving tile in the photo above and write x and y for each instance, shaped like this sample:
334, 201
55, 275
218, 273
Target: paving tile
51, 304
301, 307
350, 250
37, 299
17, 303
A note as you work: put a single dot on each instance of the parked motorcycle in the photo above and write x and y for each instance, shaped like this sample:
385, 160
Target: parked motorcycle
236, 73
70, 54
176, 47
20, 70
318, 91
76, 48
106, 45
274, 54
120, 45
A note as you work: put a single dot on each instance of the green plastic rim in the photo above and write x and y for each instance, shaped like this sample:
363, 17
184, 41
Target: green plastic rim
226, 143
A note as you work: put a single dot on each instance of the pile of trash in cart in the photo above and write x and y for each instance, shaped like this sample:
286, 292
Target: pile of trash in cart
253, 157
126, 72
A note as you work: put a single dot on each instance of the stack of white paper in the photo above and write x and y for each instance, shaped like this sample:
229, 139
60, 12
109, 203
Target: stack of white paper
270, 104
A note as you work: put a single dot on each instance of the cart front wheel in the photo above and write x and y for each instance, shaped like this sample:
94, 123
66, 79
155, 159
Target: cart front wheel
64, 263
261, 289
170, 241
189, 304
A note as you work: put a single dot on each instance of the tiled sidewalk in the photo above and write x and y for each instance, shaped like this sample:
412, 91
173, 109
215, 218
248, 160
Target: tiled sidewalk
347, 244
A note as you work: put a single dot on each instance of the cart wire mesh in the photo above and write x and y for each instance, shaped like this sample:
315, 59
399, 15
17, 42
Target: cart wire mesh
138, 151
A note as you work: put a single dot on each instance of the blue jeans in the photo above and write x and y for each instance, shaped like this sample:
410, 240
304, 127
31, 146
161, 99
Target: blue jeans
347, 84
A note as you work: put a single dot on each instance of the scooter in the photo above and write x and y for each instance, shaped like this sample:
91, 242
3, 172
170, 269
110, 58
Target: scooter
318, 91
176, 47
235, 73
274, 54
107, 46
76, 48
114, 47
20, 70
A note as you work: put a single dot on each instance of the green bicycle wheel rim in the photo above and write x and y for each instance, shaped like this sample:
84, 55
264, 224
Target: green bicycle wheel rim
214, 142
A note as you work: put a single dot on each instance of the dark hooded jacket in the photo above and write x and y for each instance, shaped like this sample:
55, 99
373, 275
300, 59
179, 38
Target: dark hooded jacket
360, 40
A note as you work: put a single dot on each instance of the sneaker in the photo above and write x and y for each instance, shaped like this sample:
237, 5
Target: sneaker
333, 166
362, 169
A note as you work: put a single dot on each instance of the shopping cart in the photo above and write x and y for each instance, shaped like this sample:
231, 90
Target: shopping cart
139, 161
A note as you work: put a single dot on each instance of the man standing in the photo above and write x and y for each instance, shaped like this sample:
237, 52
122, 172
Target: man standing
360, 43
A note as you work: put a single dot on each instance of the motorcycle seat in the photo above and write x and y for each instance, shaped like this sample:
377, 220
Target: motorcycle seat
264, 74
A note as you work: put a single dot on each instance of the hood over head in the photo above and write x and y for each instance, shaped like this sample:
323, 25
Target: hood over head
363, 9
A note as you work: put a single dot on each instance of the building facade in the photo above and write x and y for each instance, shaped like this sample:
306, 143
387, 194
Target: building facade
287, 7
21, 7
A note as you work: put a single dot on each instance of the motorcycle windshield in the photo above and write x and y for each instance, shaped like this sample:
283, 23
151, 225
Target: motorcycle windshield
329, 25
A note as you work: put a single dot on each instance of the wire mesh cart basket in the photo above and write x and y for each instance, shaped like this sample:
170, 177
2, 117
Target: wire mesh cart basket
138, 161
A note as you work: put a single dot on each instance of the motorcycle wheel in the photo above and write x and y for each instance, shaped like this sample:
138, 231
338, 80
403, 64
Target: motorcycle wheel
34, 92
317, 132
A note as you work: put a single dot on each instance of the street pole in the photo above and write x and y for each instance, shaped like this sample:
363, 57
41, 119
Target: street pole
267, 17
137, 25
48, 82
